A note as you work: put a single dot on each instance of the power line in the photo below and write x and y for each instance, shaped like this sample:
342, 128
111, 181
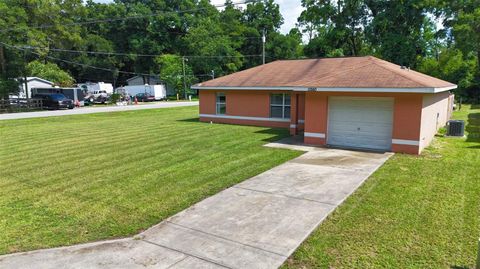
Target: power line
128, 54
124, 18
101, 68
77, 63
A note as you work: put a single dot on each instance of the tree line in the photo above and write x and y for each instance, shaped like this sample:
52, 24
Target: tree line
70, 41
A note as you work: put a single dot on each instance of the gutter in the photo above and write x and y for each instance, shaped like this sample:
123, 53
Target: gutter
334, 89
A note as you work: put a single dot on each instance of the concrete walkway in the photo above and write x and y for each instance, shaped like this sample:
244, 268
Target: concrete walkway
90, 110
256, 224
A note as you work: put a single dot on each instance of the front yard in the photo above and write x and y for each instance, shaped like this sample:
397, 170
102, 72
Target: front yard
72, 179
414, 212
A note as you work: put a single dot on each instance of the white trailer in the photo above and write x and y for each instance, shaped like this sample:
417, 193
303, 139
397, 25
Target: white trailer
96, 88
158, 91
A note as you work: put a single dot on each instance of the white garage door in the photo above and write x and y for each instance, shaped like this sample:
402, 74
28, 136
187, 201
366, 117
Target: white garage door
360, 122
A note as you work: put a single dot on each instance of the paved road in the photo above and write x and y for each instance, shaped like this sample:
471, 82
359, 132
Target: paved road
256, 224
89, 110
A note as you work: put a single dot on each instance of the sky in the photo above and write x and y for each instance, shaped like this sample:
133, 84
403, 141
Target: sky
290, 10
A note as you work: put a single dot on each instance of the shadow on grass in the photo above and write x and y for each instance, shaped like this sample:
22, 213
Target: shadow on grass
459, 267
473, 128
192, 120
277, 133
475, 106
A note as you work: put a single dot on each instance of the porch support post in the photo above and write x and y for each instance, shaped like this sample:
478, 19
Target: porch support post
293, 113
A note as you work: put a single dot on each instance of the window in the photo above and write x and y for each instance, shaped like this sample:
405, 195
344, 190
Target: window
280, 105
221, 103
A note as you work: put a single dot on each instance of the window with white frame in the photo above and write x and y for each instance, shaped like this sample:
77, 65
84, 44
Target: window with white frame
221, 103
280, 105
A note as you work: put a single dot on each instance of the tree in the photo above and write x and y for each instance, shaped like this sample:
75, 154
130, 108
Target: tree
263, 15
334, 26
171, 71
396, 30
51, 72
285, 46
451, 66
207, 39
466, 29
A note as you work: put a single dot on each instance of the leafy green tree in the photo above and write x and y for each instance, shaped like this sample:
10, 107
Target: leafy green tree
171, 71
451, 66
334, 26
107, 64
7, 87
51, 72
462, 23
207, 39
263, 15
396, 30
285, 46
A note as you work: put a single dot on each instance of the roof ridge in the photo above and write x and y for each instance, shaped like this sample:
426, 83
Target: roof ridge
322, 58
397, 72
236, 73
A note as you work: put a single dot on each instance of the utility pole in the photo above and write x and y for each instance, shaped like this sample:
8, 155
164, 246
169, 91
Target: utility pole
2, 61
184, 81
25, 81
263, 45
25, 77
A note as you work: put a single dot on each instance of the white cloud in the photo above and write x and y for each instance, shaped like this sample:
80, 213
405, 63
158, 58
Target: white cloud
291, 10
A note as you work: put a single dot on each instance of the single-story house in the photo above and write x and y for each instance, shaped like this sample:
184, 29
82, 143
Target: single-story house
32, 82
353, 102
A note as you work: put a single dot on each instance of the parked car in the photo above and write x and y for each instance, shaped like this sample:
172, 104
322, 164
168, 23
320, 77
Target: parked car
55, 101
145, 97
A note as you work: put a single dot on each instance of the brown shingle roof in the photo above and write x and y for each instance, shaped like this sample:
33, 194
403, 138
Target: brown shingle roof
346, 72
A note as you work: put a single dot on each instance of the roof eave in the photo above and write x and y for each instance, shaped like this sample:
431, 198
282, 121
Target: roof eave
332, 89
287, 88
40, 79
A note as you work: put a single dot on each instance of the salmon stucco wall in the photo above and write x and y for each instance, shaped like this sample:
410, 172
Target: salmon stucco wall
207, 102
406, 123
240, 103
435, 113
248, 103
316, 109
301, 106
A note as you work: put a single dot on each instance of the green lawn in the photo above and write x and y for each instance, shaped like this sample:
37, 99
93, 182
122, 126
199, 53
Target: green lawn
414, 212
72, 179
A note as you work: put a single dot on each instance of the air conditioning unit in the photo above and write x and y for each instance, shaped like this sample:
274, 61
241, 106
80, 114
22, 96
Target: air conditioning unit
455, 127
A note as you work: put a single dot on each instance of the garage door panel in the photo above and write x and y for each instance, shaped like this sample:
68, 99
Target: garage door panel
359, 115
360, 122
360, 142
351, 126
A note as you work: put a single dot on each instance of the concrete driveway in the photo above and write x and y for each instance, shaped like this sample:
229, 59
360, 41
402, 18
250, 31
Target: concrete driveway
256, 224
90, 110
